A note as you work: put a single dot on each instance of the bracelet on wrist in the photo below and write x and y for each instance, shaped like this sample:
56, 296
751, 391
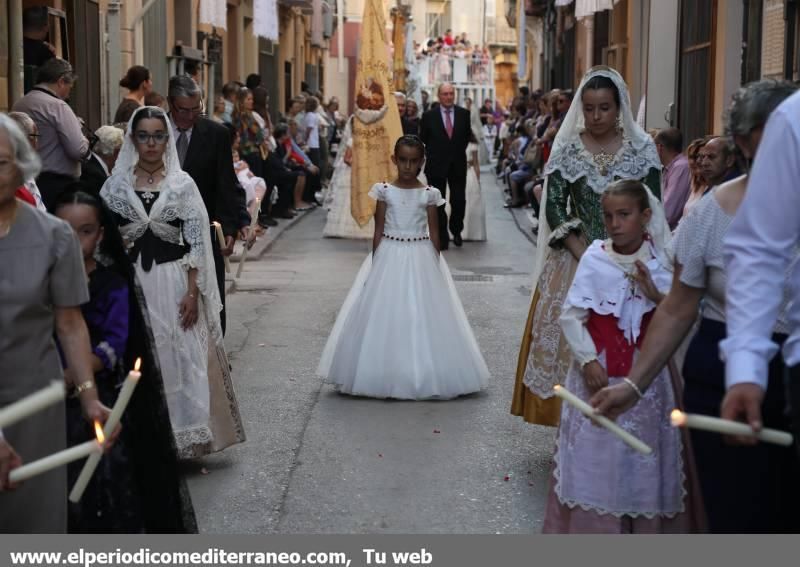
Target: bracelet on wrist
82, 387
635, 388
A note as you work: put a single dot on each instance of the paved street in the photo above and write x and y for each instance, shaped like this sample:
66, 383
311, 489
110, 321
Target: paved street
319, 462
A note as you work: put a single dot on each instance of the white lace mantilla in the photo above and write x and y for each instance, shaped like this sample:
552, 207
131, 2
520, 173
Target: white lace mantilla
575, 161
178, 199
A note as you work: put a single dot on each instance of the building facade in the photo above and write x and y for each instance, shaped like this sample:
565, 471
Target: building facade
103, 38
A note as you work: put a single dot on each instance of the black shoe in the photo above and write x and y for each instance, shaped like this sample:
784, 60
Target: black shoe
268, 221
457, 240
444, 246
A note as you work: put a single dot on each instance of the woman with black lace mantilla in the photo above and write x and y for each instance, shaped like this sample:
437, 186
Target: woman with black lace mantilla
598, 143
166, 228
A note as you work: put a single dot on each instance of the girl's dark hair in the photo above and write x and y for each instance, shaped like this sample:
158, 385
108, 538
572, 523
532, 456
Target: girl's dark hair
112, 246
410, 141
600, 82
148, 113
134, 78
630, 188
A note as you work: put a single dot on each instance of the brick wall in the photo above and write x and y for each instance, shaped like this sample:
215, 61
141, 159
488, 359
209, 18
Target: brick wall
773, 39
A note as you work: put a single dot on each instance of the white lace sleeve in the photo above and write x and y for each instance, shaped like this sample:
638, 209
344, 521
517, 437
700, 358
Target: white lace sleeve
573, 323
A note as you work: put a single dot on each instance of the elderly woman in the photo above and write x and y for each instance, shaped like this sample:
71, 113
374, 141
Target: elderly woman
32, 131
745, 489
43, 285
101, 162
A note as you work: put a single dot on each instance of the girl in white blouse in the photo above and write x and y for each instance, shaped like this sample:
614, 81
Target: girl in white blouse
600, 484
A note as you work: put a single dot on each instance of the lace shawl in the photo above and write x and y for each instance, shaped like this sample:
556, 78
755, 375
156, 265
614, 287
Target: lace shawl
180, 199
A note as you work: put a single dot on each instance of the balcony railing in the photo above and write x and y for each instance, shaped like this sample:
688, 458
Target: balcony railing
440, 68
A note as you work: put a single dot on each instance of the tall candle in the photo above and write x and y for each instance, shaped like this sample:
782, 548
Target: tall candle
111, 424
55, 460
246, 249
589, 412
32, 404
221, 241
728, 427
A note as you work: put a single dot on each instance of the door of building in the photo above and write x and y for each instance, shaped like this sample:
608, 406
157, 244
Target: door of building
86, 95
696, 78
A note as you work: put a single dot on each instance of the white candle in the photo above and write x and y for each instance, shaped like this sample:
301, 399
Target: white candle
246, 249
728, 427
111, 424
55, 460
32, 404
589, 412
221, 240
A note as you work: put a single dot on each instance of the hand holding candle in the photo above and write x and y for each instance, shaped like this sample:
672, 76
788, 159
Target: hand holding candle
589, 412
59, 459
111, 424
32, 404
221, 241
728, 427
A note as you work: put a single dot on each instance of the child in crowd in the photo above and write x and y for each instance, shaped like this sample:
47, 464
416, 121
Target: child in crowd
402, 332
137, 487
600, 484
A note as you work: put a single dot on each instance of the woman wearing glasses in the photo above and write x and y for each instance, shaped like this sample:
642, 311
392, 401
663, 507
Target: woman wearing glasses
165, 226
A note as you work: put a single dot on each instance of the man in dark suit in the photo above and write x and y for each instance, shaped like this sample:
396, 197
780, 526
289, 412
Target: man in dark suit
445, 131
204, 149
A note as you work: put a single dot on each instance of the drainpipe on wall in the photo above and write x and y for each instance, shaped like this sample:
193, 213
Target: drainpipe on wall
114, 50
16, 70
789, 17
138, 36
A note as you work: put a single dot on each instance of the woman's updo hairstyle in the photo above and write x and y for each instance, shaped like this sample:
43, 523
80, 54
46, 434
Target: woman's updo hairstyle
600, 82
629, 188
134, 78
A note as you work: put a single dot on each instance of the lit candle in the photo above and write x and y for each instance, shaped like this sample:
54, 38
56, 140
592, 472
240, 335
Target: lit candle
59, 459
246, 249
32, 404
111, 424
589, 412
728, 427
221, 240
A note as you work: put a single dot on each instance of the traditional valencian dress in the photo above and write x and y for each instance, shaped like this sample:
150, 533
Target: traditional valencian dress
575, 181
402, 332
168, 234
600, 484
340, 222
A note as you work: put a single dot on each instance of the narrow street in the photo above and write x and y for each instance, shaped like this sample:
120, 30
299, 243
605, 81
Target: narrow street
319, 462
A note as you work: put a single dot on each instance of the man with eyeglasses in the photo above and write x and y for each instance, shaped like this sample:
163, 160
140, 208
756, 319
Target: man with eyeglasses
204, 150
62, 145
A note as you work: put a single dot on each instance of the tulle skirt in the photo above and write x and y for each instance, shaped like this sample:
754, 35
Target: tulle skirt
402, 332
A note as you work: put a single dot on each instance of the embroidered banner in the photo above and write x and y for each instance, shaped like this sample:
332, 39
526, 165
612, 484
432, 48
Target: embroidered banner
376, 126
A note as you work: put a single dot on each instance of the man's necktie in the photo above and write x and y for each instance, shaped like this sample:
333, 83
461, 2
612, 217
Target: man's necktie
183, 146
448, 122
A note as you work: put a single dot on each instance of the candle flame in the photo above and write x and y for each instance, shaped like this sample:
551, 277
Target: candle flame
137, 365
678, 418
98, 431
556, 388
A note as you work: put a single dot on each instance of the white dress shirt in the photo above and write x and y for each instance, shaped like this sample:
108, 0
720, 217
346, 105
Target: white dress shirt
759, 249
176, 132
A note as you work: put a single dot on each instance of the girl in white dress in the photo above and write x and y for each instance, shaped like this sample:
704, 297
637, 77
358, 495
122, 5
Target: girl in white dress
475, 218
402, 332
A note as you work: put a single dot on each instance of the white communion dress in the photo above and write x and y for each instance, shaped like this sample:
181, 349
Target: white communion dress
402, 332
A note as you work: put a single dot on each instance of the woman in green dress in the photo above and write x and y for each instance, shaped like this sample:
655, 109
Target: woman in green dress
599, 142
